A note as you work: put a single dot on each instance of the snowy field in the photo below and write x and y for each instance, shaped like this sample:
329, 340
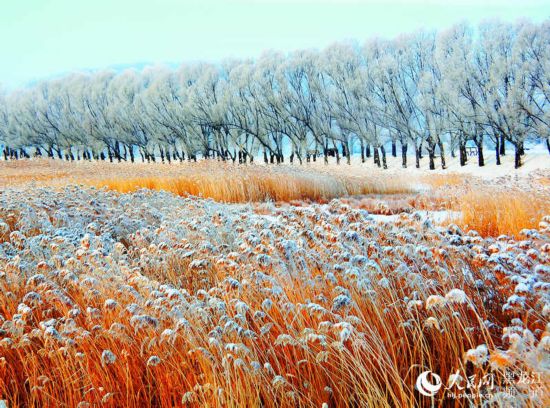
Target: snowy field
537, 158
151, 298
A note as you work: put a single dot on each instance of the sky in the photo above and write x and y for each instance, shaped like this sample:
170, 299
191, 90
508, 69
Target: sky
46, 38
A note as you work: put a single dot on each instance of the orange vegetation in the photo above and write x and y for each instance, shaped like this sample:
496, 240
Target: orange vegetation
146, 299
196, 309
220, 181
494, 212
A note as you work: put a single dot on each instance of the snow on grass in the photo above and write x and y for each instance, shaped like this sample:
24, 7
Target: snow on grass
148, 298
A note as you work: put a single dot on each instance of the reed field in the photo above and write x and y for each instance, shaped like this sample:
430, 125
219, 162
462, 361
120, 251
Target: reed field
275, 204
219, 285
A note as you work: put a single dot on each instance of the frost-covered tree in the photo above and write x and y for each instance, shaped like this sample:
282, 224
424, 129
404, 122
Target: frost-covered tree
344, 79
456, 89
4, 118
98, 120
505, 84
532, 55
433, 92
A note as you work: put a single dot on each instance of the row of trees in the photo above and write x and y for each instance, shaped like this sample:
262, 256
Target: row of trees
423, 92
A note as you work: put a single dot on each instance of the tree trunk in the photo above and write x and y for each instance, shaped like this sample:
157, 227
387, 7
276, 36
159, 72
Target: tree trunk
442, 153
393, 148
462, 153
480, 158
362, 147
417, 154
431, 156
517, 156
346, 152
376, 157
404, 148
502, 145
117, 151
368, 150
497, 150
384, 163
548, 145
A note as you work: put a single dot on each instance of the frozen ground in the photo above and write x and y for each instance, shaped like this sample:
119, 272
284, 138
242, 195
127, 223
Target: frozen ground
435, 217
535, 159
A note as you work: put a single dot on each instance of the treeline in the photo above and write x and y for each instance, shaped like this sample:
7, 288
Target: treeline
428, 93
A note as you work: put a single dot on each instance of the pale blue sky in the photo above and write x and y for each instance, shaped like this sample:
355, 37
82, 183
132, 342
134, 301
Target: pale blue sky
41, 38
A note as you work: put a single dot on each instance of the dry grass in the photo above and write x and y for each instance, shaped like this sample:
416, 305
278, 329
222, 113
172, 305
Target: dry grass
488, 210
238, 185
223, 182
240, 330
217, 341
493, 212
438, 180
